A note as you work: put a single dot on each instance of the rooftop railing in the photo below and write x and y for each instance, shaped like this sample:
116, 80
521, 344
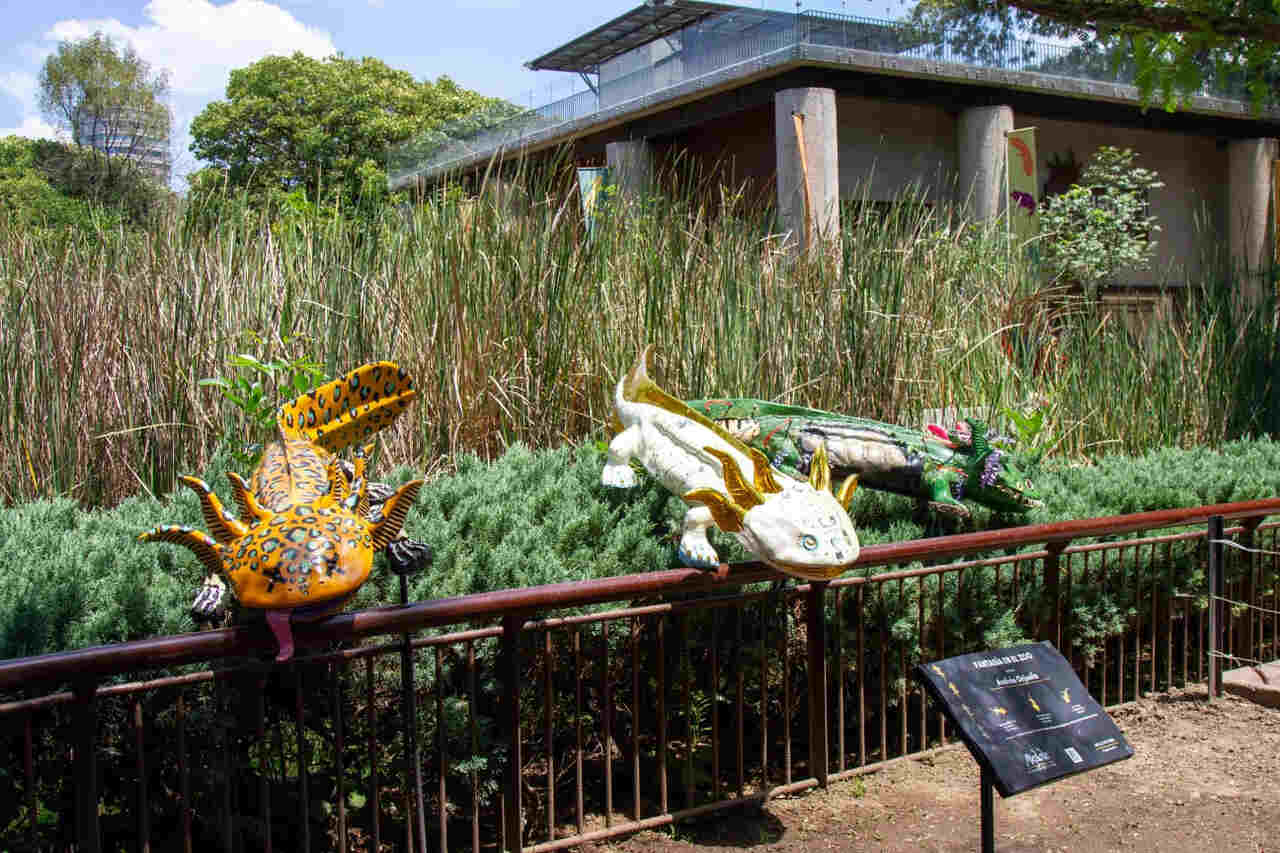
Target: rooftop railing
712, 51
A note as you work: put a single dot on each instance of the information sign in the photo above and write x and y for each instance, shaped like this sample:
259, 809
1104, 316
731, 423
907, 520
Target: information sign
1024, 715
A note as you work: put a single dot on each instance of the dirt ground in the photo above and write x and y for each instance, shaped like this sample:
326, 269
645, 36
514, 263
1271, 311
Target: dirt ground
1205, 778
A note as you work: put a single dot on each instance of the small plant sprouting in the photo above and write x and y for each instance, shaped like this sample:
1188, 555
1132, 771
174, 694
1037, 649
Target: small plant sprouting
257, 388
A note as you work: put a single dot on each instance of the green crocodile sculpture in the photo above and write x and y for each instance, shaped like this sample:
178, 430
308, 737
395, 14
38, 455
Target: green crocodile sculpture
940, 467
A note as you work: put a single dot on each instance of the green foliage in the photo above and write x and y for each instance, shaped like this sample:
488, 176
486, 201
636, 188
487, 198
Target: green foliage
257, 388
1103, 224
537, 517
52, 185
321, 127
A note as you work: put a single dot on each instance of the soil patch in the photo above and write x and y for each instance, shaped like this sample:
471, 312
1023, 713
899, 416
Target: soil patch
1202, 776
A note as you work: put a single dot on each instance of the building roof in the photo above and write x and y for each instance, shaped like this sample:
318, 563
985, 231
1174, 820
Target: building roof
643, 24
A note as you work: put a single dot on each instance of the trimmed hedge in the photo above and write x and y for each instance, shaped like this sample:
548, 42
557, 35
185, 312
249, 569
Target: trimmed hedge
71, 578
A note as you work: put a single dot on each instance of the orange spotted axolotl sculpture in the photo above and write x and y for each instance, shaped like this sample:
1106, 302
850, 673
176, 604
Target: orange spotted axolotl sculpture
304, 540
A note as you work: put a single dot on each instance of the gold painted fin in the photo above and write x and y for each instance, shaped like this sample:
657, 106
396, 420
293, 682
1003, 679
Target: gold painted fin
847, 488
393, 512
819, 470
740, 491
198, 542
765, 481
727, 514
250, 510
350, 408
221, 526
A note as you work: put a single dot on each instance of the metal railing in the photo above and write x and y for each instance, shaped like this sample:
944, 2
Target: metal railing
540, 725
777, 37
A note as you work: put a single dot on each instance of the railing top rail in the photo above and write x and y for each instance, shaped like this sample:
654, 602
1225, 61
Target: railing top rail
99, 662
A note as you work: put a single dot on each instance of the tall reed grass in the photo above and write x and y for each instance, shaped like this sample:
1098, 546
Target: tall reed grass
516, 325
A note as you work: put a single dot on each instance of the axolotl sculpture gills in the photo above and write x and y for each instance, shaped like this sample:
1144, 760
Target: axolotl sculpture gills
796, 526
937, 466
304, 542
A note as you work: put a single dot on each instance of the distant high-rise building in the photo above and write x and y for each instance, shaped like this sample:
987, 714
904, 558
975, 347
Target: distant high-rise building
140, 135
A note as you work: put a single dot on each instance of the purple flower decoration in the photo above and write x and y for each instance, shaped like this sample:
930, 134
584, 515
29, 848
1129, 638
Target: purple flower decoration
1026, 200
990, 468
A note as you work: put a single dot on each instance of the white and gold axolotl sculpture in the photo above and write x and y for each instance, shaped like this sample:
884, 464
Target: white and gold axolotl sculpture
796, 526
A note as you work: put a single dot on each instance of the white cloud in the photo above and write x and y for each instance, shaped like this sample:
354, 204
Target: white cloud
197, 42
32, 127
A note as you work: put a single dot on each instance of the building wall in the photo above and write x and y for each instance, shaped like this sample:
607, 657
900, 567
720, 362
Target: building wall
886, 146
740, 145
1194, 171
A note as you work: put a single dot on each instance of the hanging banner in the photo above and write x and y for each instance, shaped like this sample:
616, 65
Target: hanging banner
591, 184
1023, 185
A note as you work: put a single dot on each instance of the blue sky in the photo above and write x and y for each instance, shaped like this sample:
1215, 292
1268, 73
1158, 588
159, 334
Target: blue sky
481, 44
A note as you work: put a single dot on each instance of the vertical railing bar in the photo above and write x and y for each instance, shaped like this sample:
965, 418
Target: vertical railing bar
577, 728
375, 807
663, 806
184, 772
86, 767
1109, 641
1137, 610
1124, 630
817, 670
442, 753
606, 709
509, 676
960, 604
715, 704
299, 729
920, 632
739, 613
1168, 597
840, 676
144, 804
548, 709
884, 699
339, 764
264, 775
1155, 616
473, 722
862, 667
942, 647
1200, 619
902, 668
635, 717
1275, 598
686, 663
785, 653
29, 773
223, 709
764, 701
1064, 615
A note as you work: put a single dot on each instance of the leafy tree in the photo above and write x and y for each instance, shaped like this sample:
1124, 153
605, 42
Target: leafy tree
49, 184
319, 125
1177, 46
108, 98
1103, 224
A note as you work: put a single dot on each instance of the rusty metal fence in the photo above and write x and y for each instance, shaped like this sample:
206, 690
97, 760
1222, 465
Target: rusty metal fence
540, 718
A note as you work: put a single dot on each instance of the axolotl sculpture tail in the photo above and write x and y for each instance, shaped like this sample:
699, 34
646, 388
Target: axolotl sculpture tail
796, 526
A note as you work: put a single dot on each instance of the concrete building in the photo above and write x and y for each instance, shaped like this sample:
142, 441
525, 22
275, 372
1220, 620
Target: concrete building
125, 132
883, 107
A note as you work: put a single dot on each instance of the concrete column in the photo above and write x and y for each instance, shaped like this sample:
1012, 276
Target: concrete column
1249, 202
980, 146
630, 163
818, 109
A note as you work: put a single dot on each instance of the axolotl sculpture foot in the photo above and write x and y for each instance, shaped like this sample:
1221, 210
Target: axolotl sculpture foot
303, 541
796, 526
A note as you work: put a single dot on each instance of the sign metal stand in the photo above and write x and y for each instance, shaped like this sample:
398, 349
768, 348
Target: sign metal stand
1025, 718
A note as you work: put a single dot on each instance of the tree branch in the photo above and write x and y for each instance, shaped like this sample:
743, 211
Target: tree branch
1129, 15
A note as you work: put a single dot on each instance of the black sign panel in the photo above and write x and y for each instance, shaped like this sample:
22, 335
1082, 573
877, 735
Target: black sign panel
1024, 715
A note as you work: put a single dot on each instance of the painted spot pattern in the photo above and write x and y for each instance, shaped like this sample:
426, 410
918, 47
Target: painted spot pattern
300, 539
